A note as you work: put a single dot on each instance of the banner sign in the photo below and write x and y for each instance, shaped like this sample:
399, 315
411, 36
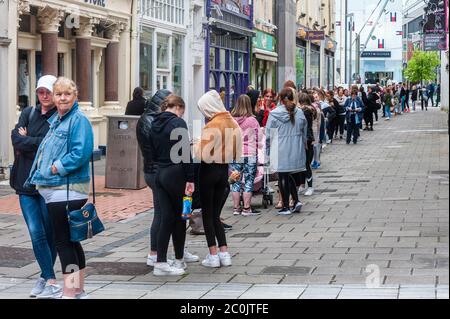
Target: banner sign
376, 54
435, 25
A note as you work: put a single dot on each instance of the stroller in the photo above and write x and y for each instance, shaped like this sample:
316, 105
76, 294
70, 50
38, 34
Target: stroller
261, 184
260, 187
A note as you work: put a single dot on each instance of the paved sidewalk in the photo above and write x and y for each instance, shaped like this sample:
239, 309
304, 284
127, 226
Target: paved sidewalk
380, 215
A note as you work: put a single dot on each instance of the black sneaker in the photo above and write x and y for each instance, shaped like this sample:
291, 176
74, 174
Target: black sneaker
227, 227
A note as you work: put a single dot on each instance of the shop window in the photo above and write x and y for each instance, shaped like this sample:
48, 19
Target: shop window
163, 51
212, 58
146, 65
241, 57
223, 89
300, 66
223, 59
177, 60
315, 69
212, 81
23, 80
61, 69
171, 11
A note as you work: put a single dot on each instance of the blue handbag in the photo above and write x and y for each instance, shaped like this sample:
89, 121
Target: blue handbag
84, 223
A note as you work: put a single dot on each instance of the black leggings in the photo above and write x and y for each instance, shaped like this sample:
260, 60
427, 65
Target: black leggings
170, 186
307, 176
213, 182
70, 254
286, 182
340, 125
368, 118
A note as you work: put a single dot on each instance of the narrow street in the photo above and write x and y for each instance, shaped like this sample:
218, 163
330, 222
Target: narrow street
379, 215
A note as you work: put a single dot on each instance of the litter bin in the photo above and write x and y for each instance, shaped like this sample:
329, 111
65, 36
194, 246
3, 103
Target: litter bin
124, 162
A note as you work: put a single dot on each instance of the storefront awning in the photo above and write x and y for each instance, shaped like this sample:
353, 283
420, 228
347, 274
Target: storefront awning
232, 28
266, 57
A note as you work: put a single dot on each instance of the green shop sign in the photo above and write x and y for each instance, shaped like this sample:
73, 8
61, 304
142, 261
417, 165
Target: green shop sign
264, 41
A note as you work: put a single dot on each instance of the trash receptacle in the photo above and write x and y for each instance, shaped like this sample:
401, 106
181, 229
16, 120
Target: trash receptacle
124, 162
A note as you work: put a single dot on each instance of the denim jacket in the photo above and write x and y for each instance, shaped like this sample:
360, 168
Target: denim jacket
53, 151
358, 115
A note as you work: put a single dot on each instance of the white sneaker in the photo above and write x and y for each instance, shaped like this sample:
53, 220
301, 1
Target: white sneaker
297, 208
284, 212
51, 291
301, 190
225, 259
190, 258
309, 191
152, 260
82, 295
164, 269
179, 264
38, 287
211, 261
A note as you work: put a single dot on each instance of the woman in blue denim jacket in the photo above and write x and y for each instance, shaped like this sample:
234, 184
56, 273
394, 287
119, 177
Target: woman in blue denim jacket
355, 110
63, 157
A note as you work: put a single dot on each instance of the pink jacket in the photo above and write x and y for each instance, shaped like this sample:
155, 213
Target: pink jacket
250, 130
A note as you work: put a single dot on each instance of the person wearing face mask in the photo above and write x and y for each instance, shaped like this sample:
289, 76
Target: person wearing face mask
62, 161
26, 137
174, 179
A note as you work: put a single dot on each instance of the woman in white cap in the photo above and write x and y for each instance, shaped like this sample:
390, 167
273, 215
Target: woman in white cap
61, 173
26, 137
220, 145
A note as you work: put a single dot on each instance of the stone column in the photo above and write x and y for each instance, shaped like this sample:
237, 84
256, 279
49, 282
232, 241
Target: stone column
49, 20
83, 63
112, 68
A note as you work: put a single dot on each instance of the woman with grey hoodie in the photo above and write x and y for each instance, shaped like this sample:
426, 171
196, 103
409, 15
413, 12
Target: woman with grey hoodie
286, 129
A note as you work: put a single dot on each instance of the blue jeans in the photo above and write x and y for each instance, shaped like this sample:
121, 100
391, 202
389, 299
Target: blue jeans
39, 226
387, 110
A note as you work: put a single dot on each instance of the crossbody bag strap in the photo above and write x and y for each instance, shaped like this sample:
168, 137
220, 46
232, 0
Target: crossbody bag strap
93, 175
68, 149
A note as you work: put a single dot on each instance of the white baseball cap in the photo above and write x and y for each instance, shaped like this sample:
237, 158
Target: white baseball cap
47, 82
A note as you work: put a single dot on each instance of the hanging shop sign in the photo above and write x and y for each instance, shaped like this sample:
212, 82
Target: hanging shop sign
315, 35
264, 41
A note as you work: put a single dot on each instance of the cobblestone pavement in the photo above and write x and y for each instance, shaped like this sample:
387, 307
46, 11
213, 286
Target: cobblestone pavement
380, 215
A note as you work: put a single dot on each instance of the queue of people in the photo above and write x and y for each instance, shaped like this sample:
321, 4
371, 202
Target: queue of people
284, 132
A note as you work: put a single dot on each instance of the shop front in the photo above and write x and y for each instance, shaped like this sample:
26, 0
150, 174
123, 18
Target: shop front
227, 49
300, 63
86, 42
162, 36
264, 61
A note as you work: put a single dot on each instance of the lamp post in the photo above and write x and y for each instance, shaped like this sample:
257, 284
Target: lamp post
349, 28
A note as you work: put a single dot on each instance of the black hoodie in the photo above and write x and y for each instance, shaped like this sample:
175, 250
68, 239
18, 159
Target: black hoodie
161, 144
144, 126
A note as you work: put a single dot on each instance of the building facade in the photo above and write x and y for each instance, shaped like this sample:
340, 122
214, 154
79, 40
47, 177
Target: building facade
306, 42
90, 42
229, 32
315, 59
264, 52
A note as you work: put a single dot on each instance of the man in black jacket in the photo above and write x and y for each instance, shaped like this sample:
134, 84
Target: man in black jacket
26, 137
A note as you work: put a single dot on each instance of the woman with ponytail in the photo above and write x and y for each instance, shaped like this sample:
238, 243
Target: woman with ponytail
286, 129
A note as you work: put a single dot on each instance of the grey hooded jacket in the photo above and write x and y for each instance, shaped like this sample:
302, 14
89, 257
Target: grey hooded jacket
286, 142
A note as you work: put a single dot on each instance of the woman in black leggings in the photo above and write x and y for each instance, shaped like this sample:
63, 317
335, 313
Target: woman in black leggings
286, 137
220, 144
174, 178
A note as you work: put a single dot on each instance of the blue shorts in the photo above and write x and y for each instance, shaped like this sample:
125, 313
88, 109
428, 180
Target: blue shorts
247, 167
